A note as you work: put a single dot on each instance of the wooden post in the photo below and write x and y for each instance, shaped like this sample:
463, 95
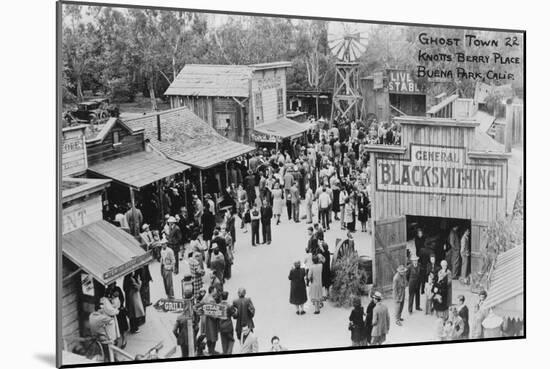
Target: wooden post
161, 201
190, 337
185, 191
509, 126
200, 182
226, 176
133, 202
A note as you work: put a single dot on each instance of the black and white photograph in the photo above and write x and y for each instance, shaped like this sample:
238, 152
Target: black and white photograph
239, 184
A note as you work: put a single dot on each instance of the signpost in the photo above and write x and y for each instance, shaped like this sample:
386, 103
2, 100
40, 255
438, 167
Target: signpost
175, 306
215, 310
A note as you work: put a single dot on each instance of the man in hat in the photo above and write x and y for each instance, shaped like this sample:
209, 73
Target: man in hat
266, 213
399, 285
245, 312
414, 278
217, 262
146, 236
380, 321
167, 264
480, 313
174, 238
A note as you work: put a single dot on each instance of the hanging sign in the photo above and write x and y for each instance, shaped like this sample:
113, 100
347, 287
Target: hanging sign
439, 170
401, 82
174, 306
215, 310
87, 283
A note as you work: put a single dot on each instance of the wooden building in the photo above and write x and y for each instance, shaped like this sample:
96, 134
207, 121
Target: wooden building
392, 92
182, 136
117, 151
95, 253
445, 171
73, 151
236, 99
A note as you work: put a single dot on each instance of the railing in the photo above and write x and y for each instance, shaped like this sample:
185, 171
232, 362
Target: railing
445, 109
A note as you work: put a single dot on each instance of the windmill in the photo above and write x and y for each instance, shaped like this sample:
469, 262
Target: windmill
347, 47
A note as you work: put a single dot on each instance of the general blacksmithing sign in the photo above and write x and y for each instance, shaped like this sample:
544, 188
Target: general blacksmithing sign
439, 170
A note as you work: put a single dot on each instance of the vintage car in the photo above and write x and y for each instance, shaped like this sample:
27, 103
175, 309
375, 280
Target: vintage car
90, 110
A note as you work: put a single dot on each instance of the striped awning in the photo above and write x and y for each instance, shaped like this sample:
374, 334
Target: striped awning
104, 251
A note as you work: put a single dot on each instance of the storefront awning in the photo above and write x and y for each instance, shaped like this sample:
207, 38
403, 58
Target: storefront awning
283, 128
506, 280
139, 169
104, 251
207, 156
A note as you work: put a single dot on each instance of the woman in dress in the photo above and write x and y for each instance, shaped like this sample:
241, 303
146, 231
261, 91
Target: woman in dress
440, 291
298, 294
362, 206
134, 305
315, 277
348, 214
277, 194
326, 276
356, 323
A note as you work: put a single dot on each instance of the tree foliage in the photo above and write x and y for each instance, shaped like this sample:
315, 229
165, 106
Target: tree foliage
348, 281
121, 51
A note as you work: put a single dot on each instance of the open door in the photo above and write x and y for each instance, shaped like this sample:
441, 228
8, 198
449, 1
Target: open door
390, 250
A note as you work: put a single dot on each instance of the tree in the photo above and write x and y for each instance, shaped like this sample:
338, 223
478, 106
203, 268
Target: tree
146, 46
79, 46
349, 280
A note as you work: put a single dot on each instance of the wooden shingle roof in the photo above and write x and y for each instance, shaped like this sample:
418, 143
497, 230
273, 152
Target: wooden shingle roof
211, 80
188, 139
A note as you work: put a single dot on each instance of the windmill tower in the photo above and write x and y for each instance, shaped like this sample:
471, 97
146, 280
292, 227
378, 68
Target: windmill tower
346, 98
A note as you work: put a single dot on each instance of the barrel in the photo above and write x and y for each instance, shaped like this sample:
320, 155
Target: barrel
365, 263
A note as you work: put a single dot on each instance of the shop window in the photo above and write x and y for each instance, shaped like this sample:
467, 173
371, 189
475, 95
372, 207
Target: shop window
258, 107
280, 102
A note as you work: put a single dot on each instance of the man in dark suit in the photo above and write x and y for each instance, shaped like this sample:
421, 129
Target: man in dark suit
175, 239
219, 240
414, 277
266, 214
245, 312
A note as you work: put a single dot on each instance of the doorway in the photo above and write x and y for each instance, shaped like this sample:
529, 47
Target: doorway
436, 231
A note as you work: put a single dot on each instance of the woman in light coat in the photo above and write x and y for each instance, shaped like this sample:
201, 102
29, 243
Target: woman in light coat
315, 277
277, 194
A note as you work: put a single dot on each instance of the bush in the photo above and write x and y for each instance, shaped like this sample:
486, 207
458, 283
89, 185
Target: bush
348, 281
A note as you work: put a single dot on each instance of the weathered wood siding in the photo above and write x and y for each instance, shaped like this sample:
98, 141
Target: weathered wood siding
70, 323
102, 151
82, 213
73, 149
390, 246
267, 82
471, 204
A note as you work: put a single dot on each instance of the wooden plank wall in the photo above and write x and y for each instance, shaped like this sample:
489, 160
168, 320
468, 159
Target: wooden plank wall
517, 122
73, 157
393, 204
69, 300
103, 151
269, 93
390, 236
200, 105
81, 213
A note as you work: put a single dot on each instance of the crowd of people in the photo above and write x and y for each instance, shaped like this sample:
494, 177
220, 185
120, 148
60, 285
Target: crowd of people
327, 175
